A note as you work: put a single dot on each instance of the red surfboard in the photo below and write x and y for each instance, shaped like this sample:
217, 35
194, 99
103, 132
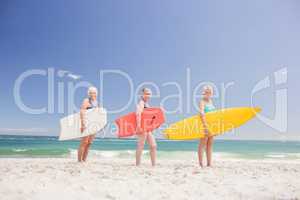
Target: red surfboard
151, 119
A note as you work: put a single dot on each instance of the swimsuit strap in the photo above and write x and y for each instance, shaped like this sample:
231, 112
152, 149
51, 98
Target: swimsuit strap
146, 105
209, 107
92, 105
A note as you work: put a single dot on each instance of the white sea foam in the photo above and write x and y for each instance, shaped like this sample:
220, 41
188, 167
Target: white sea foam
20, 150
276, 156
182, 155
283, 155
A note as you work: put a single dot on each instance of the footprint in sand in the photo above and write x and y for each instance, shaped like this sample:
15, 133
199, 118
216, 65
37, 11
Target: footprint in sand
108, 196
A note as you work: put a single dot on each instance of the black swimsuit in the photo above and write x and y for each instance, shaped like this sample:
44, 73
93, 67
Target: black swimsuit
92, 105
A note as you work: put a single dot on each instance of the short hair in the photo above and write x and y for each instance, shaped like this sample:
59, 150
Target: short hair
92, 89
146, 90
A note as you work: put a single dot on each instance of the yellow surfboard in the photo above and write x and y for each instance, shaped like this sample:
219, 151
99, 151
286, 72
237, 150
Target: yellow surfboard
219, 122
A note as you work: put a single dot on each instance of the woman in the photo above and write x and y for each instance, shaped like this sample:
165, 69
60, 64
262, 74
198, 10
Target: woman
143, 136
206, 105
88, 103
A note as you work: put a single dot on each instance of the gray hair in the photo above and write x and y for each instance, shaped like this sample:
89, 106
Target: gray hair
92, 89
146, 90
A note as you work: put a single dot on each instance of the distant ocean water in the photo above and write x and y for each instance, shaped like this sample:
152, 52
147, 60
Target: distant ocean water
49, 146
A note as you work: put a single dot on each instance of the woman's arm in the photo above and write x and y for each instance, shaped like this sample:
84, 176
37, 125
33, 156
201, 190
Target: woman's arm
139, 110
83, 108
202, 116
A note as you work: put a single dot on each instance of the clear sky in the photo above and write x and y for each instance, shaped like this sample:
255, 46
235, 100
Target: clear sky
151, 41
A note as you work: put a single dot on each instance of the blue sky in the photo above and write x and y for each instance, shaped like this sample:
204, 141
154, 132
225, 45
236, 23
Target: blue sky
218, 41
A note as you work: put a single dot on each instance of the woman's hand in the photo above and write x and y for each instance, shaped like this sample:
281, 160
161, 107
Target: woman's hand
82, 128
138, 129
206, 132
84, 106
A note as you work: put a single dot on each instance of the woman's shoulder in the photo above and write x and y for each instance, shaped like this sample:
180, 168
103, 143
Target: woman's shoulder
140, 105
86, 100
141, 102
202, 102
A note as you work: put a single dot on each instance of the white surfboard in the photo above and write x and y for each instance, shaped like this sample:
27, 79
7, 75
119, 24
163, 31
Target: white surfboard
95, 119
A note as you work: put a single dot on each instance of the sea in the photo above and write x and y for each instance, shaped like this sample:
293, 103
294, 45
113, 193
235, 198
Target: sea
50, 147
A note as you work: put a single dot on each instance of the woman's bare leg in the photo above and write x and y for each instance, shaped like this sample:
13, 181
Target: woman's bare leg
87, 147
140, 148
201, 148
209, 146
152, 145
81, 148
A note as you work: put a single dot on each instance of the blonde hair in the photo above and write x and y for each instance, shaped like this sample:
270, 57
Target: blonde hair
92, 89
206, 88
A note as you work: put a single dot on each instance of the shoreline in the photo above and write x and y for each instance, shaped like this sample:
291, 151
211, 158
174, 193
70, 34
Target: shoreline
159, 160
97, 154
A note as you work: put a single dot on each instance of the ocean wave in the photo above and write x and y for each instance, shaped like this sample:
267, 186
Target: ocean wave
275, 156
20, 150
114, 139
110, 154
28, 138
105, 154
130, 154
33, 152
283, 155
225, 155
182, 155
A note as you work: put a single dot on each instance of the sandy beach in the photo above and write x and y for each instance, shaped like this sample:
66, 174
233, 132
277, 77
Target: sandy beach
64, 178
